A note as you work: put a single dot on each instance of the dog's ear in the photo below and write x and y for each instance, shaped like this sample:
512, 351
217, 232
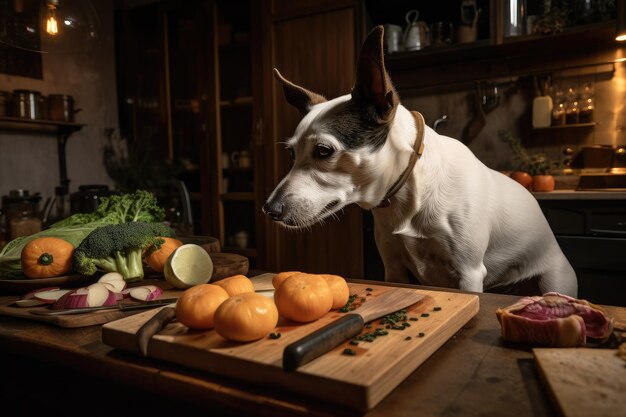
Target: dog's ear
297, 96
373, 86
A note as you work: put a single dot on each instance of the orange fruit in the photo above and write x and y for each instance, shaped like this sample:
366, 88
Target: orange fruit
157, 258
235, 285
246, 317
339, 288
303, 297
281, 276
196, 306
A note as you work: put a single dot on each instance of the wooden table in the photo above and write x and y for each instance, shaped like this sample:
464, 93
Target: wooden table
46, 369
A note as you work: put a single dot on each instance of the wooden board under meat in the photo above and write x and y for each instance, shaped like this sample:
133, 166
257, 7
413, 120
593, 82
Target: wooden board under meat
358, 382
584, 382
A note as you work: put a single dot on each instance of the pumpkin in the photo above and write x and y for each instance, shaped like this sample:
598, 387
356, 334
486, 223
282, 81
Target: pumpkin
235, 285
196, 306
543, 183
281, 276
157, 258
339, 288
246, 317
46, 257
303, 297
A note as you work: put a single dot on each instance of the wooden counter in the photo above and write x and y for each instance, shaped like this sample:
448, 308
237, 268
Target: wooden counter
47, 369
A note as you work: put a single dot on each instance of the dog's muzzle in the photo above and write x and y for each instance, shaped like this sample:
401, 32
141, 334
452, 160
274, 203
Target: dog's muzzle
274, 209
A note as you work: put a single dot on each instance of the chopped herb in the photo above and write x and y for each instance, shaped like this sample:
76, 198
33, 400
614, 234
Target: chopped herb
437, 309
425, 314
362, 299
348, 306
274, 335
368, 294
350, 352
407, 338
368, 326
406, 324
369, 289
420, 334
353, 342
413, 318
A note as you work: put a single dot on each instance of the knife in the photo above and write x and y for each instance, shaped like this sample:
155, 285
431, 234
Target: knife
335, 333
119, 306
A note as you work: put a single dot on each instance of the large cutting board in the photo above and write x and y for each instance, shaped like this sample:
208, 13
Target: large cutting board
584, 382
357, 382
224, 265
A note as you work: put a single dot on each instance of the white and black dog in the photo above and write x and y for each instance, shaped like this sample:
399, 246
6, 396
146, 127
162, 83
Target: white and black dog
440, 214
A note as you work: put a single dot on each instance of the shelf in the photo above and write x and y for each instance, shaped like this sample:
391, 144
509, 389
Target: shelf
241, 196
577, 125
43, 126
236, 102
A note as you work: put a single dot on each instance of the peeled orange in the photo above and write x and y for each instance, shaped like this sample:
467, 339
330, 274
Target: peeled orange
196, 306
235, 285
246, 317
303, 297
188, 265
339, 288
281, 276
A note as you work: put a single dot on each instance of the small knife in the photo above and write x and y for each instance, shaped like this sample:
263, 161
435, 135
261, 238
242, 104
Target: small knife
119, 306
335, 333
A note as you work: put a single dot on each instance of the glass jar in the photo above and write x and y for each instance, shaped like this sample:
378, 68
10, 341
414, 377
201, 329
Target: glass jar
572, 107
586, 105
21, 212
558, 110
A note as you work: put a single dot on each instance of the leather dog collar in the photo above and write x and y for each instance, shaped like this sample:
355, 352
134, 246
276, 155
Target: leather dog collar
418, 149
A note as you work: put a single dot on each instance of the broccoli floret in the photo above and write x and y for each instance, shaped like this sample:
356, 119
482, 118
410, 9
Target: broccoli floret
118, 248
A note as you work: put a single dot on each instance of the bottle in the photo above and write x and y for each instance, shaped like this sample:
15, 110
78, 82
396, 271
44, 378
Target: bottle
542, 111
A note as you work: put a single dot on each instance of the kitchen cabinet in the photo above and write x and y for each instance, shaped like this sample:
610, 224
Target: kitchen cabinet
592, 235
185, 75
314, 44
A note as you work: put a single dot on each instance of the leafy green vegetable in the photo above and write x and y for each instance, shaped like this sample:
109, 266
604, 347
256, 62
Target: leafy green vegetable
118, 248
138, 206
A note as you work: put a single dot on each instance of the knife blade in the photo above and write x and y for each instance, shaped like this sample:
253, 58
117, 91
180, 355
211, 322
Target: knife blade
118, 306
337, 332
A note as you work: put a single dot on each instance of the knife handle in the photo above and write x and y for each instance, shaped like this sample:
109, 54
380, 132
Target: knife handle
154, 325
321, 341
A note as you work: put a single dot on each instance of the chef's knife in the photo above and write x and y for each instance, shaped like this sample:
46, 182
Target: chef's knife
335, 333
118, 306
154, 325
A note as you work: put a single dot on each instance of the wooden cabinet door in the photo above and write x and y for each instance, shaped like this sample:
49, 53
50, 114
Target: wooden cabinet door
317, 49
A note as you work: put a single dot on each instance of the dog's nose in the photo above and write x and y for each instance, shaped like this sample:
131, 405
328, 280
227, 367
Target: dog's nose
274, 210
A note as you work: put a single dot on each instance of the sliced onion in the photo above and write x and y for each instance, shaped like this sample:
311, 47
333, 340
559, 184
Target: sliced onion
92, 296
114, 278
146, 292
31, 294
30, 302
50, 296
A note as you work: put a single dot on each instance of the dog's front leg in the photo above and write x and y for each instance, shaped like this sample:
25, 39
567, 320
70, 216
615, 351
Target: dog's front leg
472, 278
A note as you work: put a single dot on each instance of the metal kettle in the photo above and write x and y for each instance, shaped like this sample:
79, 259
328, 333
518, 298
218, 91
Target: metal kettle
416, 33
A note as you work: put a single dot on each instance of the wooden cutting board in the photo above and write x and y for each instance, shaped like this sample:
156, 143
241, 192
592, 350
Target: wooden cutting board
224, 265
358, 382
584, 382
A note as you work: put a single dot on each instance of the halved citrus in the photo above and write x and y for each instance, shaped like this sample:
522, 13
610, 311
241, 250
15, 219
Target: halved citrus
187, 266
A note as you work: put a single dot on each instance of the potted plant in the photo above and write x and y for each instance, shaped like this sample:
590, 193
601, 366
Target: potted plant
539, 170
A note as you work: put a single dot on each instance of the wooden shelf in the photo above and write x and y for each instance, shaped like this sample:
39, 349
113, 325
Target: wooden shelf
567, 126
43, 126
237, 196
247, 252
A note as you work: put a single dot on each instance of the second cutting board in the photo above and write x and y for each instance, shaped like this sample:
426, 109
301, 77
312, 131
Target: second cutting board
358, 382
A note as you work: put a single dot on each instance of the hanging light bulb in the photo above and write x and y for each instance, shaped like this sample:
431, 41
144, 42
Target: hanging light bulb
52, 26
49, 26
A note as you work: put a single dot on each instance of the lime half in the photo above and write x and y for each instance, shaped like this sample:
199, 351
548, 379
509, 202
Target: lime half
187, 266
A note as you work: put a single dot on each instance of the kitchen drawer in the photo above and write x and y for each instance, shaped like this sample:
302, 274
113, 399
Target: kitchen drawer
607, 224
565, 221
600, 253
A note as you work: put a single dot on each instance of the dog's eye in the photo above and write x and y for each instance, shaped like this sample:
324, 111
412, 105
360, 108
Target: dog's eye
292, 154
322, 151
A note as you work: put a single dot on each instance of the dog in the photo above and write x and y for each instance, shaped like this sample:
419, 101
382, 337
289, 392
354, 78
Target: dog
440, 215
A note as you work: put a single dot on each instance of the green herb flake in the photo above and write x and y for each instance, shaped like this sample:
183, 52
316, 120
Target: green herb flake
437, 308
407, 338
368, 326
369, 289
275, 335
353, 342
413, 318
425, 314
349, 352
420, 334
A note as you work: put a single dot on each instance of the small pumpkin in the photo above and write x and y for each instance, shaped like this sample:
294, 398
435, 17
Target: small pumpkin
235, 285
196, 306
281, 276
246, 317
46, 257
158, 257
303, 297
